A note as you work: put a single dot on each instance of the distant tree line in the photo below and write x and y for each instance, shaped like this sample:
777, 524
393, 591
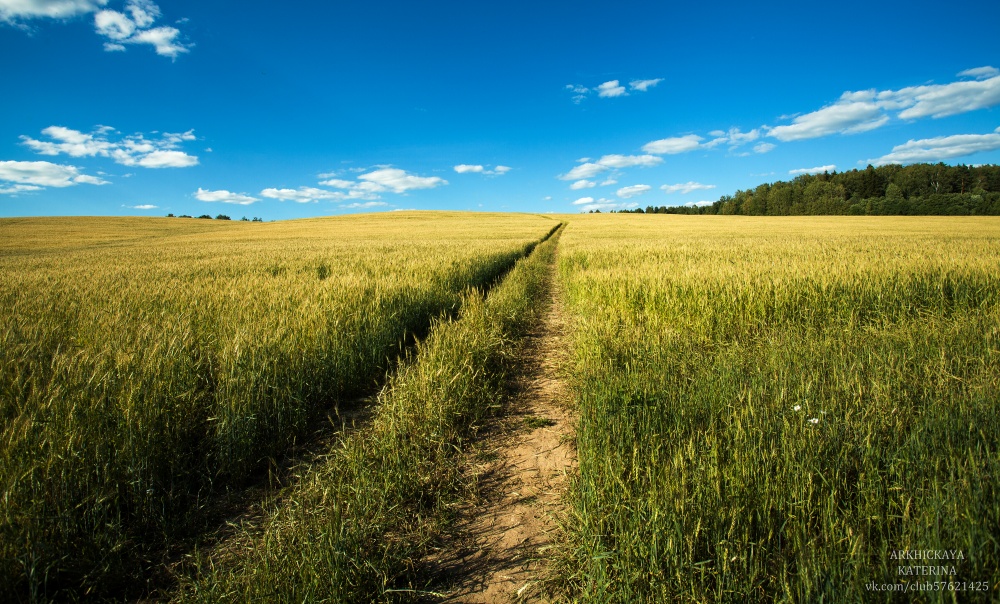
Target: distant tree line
915, 190
219, 217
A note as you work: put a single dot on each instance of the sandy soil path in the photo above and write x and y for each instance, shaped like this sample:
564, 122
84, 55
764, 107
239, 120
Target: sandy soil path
497, 550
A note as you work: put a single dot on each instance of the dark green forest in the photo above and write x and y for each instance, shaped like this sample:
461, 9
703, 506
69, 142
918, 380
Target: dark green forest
893, 190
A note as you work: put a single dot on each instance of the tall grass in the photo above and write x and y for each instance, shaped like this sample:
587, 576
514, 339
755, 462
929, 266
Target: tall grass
147, 366
769, 409
354, 527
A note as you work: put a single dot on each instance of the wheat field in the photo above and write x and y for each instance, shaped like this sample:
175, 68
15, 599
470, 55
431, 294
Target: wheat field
149, 365
770, 408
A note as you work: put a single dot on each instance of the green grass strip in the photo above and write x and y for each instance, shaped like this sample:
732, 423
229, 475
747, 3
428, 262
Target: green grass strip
354, 527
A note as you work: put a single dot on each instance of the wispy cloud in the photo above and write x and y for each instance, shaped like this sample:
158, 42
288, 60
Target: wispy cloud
610, 89
479, 169
644, 85
133, 150
145, 206
763, 147
590, 169
362, 205
816, 170
853, 112
866, 110
26, 176
12, 10
224, 196
673, 145
587, 204
632, 191
686, 187
582, 184
302, 194
940, 148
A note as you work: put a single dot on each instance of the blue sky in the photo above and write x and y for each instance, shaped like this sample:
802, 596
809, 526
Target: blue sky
130, 107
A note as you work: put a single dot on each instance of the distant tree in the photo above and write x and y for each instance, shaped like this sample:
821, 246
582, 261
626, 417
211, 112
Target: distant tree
244, 219
222, 217
170, 215
205, 216
256, 219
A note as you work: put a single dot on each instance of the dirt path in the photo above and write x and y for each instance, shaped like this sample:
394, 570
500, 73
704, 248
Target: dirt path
497, 550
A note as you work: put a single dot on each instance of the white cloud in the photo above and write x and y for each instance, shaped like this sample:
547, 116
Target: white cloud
582, 184
944, 99
55, 9
816, 170
854, 112
632, 191
134, 28
145, 206
644, 85
589, 203
467, 168
611, 89
609, 182
114, 25
15, 189
588, 169
940, 148
399, 181
168, 159
981, 73
37, 174
699, 204
133, 150
763, 147
363, 205
674, 145
143, 12
224, 197
686, 187
302, 194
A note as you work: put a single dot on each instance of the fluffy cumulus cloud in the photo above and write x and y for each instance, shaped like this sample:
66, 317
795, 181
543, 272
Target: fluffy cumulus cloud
763, 147
940, 148
673, 145
632, 191
582, 184
399, 181
12, 10
365, 192
980, 73
224, 196
590, 169
134, 26
611, 89
478, 169
686, 187
26, 176
816, 170
132, 150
